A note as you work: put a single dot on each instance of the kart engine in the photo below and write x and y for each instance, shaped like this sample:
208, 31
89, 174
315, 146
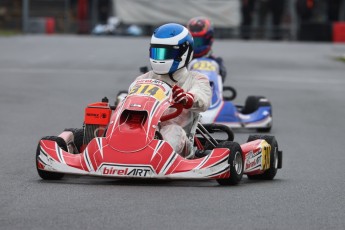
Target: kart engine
97, 117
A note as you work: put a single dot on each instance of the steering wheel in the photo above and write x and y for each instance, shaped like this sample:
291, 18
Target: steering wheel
177, 112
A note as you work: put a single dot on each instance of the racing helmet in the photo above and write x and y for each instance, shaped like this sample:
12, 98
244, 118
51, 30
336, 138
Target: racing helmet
202, 32
171, 48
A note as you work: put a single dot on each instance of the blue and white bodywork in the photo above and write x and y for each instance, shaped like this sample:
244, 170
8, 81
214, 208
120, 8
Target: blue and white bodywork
256, 113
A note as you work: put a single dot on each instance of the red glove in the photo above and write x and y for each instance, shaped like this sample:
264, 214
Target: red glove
180, 96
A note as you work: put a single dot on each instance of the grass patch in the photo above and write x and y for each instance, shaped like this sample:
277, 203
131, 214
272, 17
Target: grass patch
340, 58
7, 33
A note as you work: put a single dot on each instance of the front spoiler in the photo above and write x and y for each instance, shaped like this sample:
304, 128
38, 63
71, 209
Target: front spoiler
53, 159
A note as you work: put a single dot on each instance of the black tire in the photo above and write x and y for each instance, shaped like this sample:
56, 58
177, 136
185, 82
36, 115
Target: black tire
212, 127
235, 161
233, 93
78, 137
264, 130
252, 104
270, 173
45, 174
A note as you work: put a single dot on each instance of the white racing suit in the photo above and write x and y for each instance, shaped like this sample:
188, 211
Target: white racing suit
174, 130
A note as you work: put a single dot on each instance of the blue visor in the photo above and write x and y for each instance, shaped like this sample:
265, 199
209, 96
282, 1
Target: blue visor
163, 53
200, 41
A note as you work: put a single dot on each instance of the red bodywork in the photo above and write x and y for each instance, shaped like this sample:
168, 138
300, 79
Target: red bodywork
129, 147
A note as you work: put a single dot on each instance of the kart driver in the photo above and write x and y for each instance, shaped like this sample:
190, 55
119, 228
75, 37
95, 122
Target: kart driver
171, 49
202, 32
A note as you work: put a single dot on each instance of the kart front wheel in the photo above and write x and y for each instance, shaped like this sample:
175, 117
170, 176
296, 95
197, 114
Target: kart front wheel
230, 89
78, 135
235, 161
45, 174
270, 173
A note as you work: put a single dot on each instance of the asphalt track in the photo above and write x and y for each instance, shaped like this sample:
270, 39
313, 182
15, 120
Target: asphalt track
47, 81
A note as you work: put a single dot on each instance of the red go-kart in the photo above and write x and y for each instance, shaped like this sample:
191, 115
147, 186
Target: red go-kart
125, 142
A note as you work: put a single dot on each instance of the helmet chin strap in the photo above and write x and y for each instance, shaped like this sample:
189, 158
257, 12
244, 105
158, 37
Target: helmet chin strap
171, 74
171, 77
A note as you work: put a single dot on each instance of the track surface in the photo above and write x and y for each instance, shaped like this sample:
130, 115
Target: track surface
47, 81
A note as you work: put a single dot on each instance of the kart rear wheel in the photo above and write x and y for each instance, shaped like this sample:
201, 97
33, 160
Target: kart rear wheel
235, 161
251, 104
270, 173
45, 174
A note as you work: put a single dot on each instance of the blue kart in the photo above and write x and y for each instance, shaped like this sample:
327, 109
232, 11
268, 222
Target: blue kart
255, 114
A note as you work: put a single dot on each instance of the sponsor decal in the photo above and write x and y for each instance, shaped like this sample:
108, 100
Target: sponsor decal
147, 90
126, 170
96, 115
149, 81
253, 160
204, 65
157, 82
135, 105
